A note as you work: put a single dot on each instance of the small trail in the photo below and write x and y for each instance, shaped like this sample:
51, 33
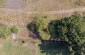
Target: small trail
44, 12
61, 11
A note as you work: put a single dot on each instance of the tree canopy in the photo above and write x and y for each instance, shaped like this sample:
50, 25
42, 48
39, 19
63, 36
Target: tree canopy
70, 29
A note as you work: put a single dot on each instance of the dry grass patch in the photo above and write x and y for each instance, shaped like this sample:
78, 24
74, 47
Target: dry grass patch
51, 5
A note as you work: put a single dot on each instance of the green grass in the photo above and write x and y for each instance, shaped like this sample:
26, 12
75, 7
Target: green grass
8, 48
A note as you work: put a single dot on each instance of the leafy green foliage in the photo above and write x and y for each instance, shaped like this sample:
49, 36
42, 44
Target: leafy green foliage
70, 29
4, 31
41, 23
14, 30
56, 29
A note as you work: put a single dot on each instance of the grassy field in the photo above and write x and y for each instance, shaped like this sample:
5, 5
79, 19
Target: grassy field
8, 49
17, 48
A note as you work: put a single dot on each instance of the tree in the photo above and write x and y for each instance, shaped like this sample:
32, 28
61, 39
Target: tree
70, 29
41, 23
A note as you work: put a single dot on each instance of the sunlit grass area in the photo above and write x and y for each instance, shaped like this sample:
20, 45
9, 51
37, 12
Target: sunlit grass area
8, 47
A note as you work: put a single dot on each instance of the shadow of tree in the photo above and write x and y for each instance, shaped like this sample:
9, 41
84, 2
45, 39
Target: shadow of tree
54, 47
32, 28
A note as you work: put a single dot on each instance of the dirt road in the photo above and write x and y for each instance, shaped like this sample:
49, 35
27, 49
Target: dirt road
82, 9
61, 11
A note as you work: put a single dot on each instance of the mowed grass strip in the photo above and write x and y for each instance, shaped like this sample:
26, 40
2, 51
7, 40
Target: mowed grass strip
6, 48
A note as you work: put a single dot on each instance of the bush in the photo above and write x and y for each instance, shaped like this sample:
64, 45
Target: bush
14, 30
4, 31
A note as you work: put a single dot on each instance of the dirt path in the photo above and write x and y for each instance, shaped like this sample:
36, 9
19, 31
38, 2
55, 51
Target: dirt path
61, 11
45, 12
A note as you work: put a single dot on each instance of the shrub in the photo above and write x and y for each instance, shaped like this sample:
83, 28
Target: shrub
4, 31
14, 30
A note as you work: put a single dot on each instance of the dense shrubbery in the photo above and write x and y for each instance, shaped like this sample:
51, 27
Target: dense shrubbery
70, 29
